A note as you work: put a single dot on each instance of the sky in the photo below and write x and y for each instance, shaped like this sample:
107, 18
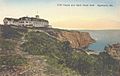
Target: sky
67, 17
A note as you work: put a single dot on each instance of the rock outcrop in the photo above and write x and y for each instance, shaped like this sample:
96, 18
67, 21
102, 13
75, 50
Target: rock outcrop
77, 39
113, 50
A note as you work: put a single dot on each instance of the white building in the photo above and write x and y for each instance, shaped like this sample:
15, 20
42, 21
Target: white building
27, 21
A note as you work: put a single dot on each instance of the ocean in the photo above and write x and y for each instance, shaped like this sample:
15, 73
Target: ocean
103, 38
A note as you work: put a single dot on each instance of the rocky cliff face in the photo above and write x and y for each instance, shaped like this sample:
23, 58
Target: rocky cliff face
114, 50
77, 39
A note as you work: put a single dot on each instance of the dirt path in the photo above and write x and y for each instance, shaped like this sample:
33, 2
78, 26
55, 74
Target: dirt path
36, 64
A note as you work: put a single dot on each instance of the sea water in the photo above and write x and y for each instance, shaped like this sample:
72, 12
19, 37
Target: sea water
103, 38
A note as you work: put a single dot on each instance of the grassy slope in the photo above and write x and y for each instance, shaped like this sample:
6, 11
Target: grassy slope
60, 58
55, 52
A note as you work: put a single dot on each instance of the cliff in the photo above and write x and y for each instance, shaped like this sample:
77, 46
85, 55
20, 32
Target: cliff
77, 39
43, 52
113, 50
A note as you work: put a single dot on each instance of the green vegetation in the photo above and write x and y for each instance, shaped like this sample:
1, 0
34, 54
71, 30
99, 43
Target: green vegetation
8, 40
57, 53
8, 57
91, 65
7, 44
12, 60
62, 60
12, 32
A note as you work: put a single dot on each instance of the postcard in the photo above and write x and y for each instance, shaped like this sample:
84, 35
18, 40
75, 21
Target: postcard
60, 38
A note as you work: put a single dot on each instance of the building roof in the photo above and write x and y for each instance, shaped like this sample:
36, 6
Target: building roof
11, 19
27, 18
